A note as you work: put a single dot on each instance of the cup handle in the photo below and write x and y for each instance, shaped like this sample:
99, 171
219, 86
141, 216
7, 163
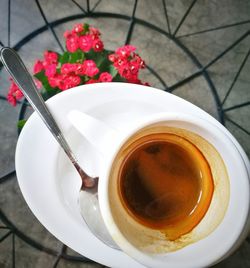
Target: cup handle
102, 137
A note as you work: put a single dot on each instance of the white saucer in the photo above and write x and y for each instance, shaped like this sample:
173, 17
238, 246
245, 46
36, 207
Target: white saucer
48, 180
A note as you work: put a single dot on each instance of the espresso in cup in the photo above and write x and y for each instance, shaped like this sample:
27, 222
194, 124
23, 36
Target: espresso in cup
168, 187
165, 183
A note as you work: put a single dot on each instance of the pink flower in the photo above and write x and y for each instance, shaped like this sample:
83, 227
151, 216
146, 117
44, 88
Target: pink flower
92, 81
73, 68
127, 63
72, 43
129, 71
85, 42
38, 66
90, 68
95, 33
124, 71
134, 68
67, 34
80, 69
98, 45
121, 63
50, 57
139, 60
69, 81
14, 93
64, 81
78, 28
125, 51
55, 80
11, 99
105, 77
38, 84
112, 57
50, 70
134, 80
68, 68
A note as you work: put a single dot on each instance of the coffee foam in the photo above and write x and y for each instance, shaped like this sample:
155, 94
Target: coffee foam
155, 241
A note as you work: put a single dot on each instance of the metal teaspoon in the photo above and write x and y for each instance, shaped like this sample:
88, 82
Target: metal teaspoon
88, 198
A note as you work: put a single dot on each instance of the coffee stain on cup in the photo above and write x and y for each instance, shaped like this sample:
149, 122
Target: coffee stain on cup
172, 236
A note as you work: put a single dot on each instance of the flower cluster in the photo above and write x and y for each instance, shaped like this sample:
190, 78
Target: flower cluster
128, 63
14, 93
83, 37
85, 61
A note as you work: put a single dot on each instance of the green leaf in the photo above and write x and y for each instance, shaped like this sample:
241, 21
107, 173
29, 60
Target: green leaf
49, 91
112, 70
77, 56
85, 28
101, 59
91, 55
97, 57
64, 57
21, 123
43, 78
84, 79
40, 75
118, 78
48, 94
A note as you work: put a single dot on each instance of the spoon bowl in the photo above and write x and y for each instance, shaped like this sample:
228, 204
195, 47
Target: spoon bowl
91, 213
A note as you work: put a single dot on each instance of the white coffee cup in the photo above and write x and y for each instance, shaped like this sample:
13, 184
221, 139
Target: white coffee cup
227, 220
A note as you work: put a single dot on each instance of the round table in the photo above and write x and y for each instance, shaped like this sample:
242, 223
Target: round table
198, 50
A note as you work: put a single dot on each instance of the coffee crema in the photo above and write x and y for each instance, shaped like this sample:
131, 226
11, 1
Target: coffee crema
165, 183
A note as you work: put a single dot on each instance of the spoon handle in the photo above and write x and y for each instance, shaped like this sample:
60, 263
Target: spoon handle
16, 68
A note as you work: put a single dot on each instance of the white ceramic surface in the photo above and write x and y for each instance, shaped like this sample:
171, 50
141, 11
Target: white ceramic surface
51, 189
108, 142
